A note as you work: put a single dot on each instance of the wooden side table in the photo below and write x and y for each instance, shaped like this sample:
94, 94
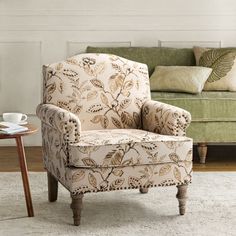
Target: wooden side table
23, 165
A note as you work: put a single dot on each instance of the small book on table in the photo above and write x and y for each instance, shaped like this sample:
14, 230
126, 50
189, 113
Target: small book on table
11, 128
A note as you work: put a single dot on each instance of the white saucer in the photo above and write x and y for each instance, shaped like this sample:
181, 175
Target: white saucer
23, 123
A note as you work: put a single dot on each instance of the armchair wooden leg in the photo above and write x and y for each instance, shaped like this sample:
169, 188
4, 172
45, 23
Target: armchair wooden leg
76, 206
143, 190
52, 188
182, 197
202, 152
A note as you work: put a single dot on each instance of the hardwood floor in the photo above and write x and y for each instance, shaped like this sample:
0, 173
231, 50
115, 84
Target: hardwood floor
220, 158
9, 159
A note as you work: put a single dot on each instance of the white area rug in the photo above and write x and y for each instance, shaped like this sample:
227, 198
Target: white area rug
211, 209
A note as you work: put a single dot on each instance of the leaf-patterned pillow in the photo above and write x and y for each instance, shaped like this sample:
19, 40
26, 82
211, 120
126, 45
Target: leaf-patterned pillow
223, 64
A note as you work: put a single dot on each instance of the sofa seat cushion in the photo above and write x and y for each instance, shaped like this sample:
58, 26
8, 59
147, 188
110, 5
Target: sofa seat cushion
208, 106
127, 147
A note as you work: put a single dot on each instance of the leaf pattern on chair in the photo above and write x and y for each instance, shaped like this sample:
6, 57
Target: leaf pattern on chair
101, 89
78, 176
95, 108
128, 147
165, 119
51, 88
127, 119
104, 122
189, 155
115, 82
137, 120
92, 180
118, 172
165, 170
174, 157
97, 83
69, 73
117, 183
104, 99
116, 159
89, 162
92, 95
177, 174
125, 103
116, 122
91, 136
134, 182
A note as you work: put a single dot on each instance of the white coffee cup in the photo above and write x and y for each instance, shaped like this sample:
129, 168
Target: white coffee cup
14, 117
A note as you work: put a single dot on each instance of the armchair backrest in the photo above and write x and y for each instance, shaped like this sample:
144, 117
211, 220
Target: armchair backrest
105, 91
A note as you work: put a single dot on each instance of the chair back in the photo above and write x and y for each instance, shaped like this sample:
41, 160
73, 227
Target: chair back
104, 90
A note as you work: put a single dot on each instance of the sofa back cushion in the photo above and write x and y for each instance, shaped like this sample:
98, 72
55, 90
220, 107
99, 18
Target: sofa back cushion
223, 64
105, 91
152, 56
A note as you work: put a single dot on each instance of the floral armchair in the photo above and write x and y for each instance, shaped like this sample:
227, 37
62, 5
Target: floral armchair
102, 132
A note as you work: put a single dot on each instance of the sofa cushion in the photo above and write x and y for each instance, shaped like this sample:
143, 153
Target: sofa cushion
127, 147
188, 79
223, 63
152, 56
204, 107
212, 132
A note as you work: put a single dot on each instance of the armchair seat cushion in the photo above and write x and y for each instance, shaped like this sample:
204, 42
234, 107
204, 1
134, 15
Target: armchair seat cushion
127, 147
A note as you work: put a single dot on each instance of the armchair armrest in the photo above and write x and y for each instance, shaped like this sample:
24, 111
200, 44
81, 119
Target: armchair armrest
165, 119
60, 119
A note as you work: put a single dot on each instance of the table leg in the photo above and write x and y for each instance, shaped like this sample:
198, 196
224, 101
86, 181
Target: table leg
24, 174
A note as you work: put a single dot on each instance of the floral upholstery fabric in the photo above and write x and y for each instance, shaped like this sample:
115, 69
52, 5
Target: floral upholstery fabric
127, 147
173, 167
101, 131
55, 152
104, 91
82, 180
175, 170
64, 121
165, 119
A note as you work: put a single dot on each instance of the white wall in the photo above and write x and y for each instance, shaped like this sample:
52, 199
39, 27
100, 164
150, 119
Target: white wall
35, 32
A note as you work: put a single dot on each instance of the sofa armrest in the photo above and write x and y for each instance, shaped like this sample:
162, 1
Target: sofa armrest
165, 119
60, 119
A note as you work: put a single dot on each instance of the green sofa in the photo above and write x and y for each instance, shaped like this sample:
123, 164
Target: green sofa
213, 112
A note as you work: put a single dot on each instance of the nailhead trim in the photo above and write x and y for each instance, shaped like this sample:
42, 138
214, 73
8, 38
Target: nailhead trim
79, 191
76, 136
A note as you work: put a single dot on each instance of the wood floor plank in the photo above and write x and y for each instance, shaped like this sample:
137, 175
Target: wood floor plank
9, 160
220, 158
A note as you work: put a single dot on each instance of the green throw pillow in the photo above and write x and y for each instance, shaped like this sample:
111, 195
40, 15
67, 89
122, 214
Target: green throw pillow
188, 79
223, 64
